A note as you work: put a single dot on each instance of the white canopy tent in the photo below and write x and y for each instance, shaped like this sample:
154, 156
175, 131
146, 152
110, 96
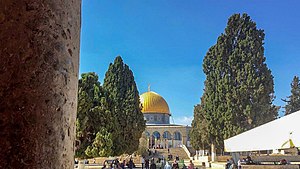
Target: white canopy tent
278, 134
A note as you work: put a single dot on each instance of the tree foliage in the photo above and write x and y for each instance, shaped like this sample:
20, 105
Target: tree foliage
119, 83
93, 113
239, 88
198, 133
109, 118
293, 101
102, 145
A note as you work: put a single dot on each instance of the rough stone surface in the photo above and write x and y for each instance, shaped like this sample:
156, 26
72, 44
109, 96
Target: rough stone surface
39, 54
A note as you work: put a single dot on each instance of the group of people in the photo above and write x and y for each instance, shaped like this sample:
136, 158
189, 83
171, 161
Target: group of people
166, 165
146, 163
170, 157
150, 163
230, 163
117, 165
176, 166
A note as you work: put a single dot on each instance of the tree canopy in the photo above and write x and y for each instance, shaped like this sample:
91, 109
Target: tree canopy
109, 118
293, 101
239, 90
119, 83
199, 130
93, 113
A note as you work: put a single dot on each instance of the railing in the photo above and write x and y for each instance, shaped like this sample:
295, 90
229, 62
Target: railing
186, 150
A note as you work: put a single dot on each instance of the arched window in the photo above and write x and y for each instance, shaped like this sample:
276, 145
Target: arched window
156, 135
177, 135
147, 134
167, 135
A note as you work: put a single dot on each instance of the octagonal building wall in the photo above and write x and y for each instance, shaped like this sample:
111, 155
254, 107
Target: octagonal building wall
157, 118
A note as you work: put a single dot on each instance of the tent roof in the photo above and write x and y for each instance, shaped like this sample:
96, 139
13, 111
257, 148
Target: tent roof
277, 134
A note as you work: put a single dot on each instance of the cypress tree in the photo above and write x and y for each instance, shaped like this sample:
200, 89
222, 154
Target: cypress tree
239, 88
293, 101
195, 131
198, 133
94, 115
120, 84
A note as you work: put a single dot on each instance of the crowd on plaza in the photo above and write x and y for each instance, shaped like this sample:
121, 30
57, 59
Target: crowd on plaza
115, 164
146, 164
164, 164
151, 161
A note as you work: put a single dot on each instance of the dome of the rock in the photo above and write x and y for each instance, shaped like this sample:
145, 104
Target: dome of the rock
160, 133
154, 103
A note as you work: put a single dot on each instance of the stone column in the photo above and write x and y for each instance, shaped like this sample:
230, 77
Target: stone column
39, 56
184, 140
166, 143
148, 142
161, 142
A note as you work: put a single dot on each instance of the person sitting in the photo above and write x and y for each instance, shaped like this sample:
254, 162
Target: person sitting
249, 160
283, 162
227, 164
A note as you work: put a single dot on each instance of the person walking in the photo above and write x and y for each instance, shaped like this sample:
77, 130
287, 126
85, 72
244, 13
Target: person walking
130, 164
143, 162
104, 166
123, 164
191, 165
167, 166
147, 164
175, 165
153, 165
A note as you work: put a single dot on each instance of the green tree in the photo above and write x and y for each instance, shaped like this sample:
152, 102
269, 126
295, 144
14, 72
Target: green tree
198, 133
102, 145
119, 82
293, 101
239, 87
93, 113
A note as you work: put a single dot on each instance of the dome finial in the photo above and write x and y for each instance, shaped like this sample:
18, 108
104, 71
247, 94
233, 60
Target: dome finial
149, 87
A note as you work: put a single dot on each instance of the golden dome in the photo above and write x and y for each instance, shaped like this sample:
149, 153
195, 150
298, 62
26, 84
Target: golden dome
154, 103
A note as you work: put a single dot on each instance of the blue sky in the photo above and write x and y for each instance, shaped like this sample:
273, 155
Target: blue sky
164, 43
